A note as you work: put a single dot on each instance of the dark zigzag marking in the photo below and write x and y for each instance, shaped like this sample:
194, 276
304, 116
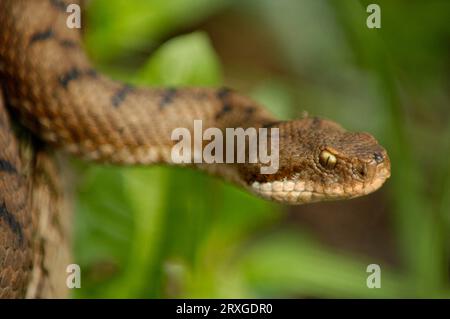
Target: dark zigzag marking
12, 222
225, 109
6, 166
42, 36
49, 34
167, 97
59, 4
71, 75
222, 95
121, 94
74, 74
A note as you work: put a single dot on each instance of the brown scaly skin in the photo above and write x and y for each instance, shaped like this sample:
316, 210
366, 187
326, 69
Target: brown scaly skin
35, 235
52, 88
16, 226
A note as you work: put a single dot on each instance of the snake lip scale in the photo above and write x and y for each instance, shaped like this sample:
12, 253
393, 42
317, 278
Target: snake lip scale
49, 84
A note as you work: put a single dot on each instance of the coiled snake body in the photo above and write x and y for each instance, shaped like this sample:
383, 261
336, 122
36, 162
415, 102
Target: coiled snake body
50, 85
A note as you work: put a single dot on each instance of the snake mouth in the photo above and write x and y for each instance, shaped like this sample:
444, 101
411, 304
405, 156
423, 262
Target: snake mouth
296, 191
290, 191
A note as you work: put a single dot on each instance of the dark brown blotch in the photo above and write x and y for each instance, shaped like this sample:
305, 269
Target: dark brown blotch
41, 36
226, 108
7, 166
223, 95
59, 4
121, 94
12, 222
71, 75
167, 97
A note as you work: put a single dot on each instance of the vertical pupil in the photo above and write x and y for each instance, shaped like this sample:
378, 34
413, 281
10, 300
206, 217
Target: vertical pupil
327, 160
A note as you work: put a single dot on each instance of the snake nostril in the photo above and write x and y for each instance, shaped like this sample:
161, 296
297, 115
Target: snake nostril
363, 171
379, 158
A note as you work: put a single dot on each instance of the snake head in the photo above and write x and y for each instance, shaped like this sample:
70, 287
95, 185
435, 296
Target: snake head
319, 160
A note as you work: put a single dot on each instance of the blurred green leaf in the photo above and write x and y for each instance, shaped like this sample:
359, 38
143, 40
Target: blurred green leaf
420, 234
102, 208
276, 96
188, 59
287, 264
120, 26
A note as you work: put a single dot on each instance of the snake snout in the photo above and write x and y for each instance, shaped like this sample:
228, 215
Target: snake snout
380, 171
378, 157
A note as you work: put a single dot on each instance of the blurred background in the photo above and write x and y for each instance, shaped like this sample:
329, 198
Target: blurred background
162, 232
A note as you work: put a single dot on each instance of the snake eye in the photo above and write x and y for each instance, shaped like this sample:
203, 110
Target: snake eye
327, 160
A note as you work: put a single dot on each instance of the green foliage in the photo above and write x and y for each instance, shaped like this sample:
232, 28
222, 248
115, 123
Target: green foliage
419, 227
288, 264
119, 26
188, 60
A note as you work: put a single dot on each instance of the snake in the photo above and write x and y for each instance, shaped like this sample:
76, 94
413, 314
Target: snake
51, 89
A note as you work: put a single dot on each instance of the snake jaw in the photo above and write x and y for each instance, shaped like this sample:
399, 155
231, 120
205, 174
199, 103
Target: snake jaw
300, 192
288, 191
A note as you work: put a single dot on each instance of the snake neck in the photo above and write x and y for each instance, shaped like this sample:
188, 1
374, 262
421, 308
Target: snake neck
70, 105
